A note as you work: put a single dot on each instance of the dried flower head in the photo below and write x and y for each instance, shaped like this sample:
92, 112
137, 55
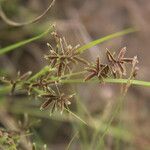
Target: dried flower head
58, 100
63, 55
134, 67
42, 83
117, 64
98, 69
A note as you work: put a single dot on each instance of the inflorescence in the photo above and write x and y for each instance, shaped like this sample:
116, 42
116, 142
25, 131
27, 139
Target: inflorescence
61, 59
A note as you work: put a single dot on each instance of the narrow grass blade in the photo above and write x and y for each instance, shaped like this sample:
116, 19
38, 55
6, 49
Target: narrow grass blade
77, 117
75, 135
24, 42
106, 38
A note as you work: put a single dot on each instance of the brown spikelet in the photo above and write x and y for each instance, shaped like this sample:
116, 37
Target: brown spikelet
99, 70
117, 65
60, 67
45, 104
90, 76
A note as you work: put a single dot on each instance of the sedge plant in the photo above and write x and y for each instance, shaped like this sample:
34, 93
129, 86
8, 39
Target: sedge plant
47, 84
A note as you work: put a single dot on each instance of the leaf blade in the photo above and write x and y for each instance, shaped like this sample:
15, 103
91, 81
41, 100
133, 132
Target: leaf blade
24, 42
106, 38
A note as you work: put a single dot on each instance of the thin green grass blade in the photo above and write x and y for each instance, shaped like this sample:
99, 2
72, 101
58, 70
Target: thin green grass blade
76, 116
24, 42
71, 141
106, 38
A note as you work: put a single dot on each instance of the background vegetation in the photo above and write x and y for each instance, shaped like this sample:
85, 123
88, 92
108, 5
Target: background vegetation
100, 118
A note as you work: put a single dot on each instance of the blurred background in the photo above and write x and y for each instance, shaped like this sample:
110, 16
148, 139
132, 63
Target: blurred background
80, 21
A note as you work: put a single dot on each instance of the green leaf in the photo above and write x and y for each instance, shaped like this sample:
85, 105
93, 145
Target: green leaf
22, 43
106, 38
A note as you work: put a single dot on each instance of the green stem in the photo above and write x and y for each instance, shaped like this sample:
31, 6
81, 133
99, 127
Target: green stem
109, 80
6, 89
40, 73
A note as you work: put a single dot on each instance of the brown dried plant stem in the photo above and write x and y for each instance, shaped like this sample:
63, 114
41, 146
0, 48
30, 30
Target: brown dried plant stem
17, 24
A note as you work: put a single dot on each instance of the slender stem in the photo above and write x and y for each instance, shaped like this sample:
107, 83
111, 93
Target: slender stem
40, 73
109, 80
76, 116
6, 89
73, 74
